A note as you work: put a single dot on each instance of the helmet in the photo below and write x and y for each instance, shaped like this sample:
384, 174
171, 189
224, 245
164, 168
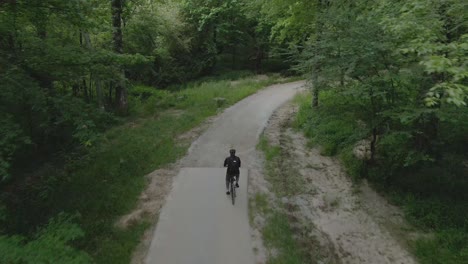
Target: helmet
232, 151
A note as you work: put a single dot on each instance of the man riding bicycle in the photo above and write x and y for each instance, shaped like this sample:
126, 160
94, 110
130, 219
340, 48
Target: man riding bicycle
233, 164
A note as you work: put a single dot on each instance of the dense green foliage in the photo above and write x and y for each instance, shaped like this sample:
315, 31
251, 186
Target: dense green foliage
392, 77
105, 183
86, 87
49, 245
85, 92
62, 75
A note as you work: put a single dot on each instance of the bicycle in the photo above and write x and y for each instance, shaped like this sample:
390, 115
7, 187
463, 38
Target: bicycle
233, 189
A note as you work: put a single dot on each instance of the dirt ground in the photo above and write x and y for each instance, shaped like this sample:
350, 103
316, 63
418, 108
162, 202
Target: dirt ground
347, 223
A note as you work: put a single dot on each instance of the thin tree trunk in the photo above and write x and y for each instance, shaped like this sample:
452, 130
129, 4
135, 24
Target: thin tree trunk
109, 95
85, 90
97, 82
99, 94
84, 42
315, 94
91, 92
258, 60
316, 70
120, 89
342, 70
233, 61
117, 25
75, 88
372, 145
374, 123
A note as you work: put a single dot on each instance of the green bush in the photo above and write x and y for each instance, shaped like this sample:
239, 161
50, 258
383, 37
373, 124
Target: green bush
450, 246
354, 167
51, 244
326, 125
393, 152
12, 140
304, 111
149, 100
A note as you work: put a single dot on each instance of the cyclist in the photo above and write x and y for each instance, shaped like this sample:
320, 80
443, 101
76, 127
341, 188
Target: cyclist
233, 164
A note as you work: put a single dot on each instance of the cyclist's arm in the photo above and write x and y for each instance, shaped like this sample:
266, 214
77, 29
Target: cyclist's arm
239, 162
225, 162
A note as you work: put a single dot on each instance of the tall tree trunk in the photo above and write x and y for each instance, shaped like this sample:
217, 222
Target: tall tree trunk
75, 88
109, 95
315, 77
372, 145
342, 70
86, 41
374, 122
99, 93
233, 58
120, 89
85, 89
43, 77
258, 59
316, 69
315, 91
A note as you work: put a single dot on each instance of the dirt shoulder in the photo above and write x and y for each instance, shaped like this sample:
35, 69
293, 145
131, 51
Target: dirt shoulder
332, 219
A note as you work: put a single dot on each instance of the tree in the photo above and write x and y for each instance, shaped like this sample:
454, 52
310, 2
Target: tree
120, 89
294, 25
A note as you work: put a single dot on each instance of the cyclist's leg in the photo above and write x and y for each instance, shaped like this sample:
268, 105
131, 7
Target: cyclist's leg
237, 180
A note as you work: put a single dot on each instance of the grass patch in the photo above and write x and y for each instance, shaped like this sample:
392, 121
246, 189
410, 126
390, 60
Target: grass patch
106, 182
284, 177
278, 235
261, 203
270, 152
258, 204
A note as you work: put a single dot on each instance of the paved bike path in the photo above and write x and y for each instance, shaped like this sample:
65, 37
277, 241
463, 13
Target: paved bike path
198, 224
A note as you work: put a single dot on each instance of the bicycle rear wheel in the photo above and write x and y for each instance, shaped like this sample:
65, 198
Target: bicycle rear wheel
233, 193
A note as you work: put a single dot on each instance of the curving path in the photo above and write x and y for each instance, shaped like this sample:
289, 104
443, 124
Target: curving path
198, 224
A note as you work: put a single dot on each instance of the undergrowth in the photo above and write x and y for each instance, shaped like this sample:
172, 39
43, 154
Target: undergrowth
430, 189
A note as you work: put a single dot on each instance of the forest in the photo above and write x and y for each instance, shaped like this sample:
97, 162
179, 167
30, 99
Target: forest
90, 89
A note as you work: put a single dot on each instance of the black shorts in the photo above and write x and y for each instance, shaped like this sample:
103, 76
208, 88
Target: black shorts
229, 175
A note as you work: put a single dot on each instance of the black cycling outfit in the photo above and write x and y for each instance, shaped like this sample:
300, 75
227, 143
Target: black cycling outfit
233, 164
